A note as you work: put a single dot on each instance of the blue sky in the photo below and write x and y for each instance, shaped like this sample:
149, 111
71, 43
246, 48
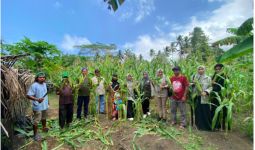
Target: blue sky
137, 24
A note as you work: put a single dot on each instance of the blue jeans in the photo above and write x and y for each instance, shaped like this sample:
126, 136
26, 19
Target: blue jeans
102, 103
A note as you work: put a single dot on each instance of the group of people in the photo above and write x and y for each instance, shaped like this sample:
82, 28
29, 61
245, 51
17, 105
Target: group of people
161, 89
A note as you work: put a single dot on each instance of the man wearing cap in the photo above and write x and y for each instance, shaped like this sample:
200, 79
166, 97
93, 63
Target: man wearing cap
84, 93
65, 93
98, 82
38, 94
180, 89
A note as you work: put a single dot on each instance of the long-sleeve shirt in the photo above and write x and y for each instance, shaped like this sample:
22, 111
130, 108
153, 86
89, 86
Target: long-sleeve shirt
99, 83
84, 89
205, 82
161, 92
145, 88
130, 92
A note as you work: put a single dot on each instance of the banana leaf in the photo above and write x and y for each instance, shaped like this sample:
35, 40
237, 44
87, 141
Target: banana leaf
243, 48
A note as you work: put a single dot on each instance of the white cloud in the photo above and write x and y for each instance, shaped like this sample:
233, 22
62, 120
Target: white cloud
126, 15
70, 41
136, 9
231, 14
144, 43
145, 8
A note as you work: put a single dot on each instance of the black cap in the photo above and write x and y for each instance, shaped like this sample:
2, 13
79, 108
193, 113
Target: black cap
219, 65
176, 68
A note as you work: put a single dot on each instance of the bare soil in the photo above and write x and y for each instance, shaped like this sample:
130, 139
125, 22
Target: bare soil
123, 138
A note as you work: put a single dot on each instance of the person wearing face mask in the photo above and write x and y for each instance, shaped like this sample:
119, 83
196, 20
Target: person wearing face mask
161, 86
65, 93
202, 87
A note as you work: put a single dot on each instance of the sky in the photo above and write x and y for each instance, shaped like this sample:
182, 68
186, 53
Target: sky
139, 25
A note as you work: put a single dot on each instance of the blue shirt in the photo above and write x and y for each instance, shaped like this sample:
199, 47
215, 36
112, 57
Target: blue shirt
39, 90
117, 103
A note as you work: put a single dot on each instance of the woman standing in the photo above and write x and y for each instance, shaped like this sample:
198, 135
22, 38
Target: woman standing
162, 84
145, 90
202, 88
131, 94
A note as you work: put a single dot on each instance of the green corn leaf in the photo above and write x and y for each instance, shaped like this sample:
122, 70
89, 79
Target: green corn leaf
44, 145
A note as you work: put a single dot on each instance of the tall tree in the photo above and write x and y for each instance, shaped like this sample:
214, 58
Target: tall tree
199, 43
152, 53
96, 48
120, 55
42, 54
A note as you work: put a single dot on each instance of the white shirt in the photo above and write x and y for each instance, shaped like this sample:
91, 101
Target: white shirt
100, 90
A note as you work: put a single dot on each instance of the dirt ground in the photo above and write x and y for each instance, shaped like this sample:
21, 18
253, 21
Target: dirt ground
123, 138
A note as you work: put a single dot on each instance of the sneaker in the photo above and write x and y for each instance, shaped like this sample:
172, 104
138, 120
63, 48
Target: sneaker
148, 113
37, 137
130, 119
144, 116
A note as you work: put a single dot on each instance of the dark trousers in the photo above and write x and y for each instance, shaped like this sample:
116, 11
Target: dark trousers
146, 105
82, 100
130, 109
202, 115
65, 114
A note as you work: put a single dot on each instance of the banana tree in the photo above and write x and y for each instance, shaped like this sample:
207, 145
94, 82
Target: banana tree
243, 41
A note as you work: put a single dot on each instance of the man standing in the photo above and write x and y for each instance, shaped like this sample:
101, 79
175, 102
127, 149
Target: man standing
85, 85
38, 94
180, 88
98, 82
66, 93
